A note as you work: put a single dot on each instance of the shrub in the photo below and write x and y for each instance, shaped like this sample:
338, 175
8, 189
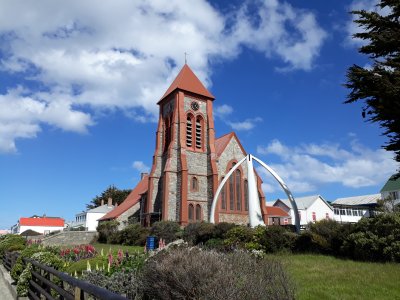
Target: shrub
133, 234
198, 233
106, 230
19, 264
11, 242
272, 239
166, 230
181, 274
221, 229
375, 239
238, 237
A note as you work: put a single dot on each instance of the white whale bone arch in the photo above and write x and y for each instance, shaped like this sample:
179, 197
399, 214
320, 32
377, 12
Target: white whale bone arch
254, 201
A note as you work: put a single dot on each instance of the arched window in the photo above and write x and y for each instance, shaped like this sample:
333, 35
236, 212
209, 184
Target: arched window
198, 212
246, 195
199, 132
223, 196
195, 184
231, 193
238, 185
189, 131
191, 212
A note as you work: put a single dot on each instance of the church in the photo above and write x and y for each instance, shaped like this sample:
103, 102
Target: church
188, 164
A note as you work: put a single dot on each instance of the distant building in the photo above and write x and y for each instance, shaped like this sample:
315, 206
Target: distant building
277, 216
392, 189
90, 219
4, 231
42, 225
311, 208
352, 209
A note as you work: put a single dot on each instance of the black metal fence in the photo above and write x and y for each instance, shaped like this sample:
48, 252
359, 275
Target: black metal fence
48, 283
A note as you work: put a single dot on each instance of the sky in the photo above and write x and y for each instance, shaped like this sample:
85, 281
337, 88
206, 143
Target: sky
79, 83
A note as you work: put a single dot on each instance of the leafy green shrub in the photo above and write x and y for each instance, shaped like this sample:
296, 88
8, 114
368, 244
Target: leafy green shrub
106, 230
19, 264
200, 232
166, 230
133, 234
216, 244
11, 242
181, 274
375, 239
238, 237
272, 239
221, 229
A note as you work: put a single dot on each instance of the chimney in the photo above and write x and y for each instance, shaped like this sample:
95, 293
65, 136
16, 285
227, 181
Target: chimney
116, 204
142, 175
109, 202
102, 202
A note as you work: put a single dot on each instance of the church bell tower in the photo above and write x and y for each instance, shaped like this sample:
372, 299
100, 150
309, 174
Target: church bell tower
184, 173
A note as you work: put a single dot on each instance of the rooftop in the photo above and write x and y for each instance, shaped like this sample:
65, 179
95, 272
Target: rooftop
391, 185
358, 200
303, 202
42, 221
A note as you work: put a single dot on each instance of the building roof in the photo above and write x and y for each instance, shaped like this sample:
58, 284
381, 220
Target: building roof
358, 200
42, 221
101, 209
223, 141
273, 211
132, 199
391, 185
188, 81
303, 202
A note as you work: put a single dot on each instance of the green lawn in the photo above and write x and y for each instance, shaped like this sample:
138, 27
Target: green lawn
326, 277
115, 248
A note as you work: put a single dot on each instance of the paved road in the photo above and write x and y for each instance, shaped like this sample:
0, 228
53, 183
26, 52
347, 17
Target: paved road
4, 291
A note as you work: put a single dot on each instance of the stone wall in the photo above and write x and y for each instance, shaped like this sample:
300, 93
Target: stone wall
70, 238
242, 219
123, 218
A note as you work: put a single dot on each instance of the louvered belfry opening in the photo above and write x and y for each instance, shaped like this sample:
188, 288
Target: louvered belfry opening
189, 128
198, 133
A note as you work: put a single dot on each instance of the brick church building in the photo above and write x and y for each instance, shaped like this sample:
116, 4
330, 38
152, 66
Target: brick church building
189, 162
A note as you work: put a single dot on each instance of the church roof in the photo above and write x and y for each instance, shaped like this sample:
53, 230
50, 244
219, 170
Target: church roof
223, 141
188, 81
132, 199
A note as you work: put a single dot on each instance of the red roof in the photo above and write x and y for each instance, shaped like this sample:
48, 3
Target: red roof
223, 141
188, 81
131, 200
42, 221
273, 211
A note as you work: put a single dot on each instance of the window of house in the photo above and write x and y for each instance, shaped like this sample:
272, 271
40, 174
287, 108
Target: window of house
348, 211
191, 212
314, 216
246, 195
299, 215
394, 195
342, 212
195, 184
189, 128
327, 216
285, 221
238, 190
223, 196
355, 212
336, 211
360, 212
198, 212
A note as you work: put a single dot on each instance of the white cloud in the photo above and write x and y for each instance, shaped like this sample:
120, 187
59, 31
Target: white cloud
140, 166
309, 166
247, 124
223, 110
123, 54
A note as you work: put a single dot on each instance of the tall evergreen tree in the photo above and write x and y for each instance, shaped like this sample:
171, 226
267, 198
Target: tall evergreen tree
379, 86
117, 195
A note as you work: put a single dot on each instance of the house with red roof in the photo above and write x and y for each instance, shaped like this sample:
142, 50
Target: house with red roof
39, 224
189, 162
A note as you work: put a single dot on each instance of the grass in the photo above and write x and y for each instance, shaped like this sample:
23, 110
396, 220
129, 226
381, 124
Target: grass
326, 277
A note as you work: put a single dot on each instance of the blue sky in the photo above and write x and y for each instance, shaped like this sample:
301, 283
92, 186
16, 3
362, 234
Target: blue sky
80, 83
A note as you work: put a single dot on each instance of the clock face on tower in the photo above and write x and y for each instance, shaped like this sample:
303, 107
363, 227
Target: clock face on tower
194, 105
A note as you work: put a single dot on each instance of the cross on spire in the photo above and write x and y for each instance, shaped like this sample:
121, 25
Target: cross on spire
186, 58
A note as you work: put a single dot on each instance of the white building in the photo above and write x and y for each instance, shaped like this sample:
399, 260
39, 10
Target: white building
89, 219
42, 225
311, 209
352, 209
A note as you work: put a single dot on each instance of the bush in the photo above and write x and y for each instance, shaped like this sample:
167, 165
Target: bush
133, 234
221, 229
375, 239
238, 237
106, 231
196, 233
272, 239
19, 264
11, 242
181, 274
166, 230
